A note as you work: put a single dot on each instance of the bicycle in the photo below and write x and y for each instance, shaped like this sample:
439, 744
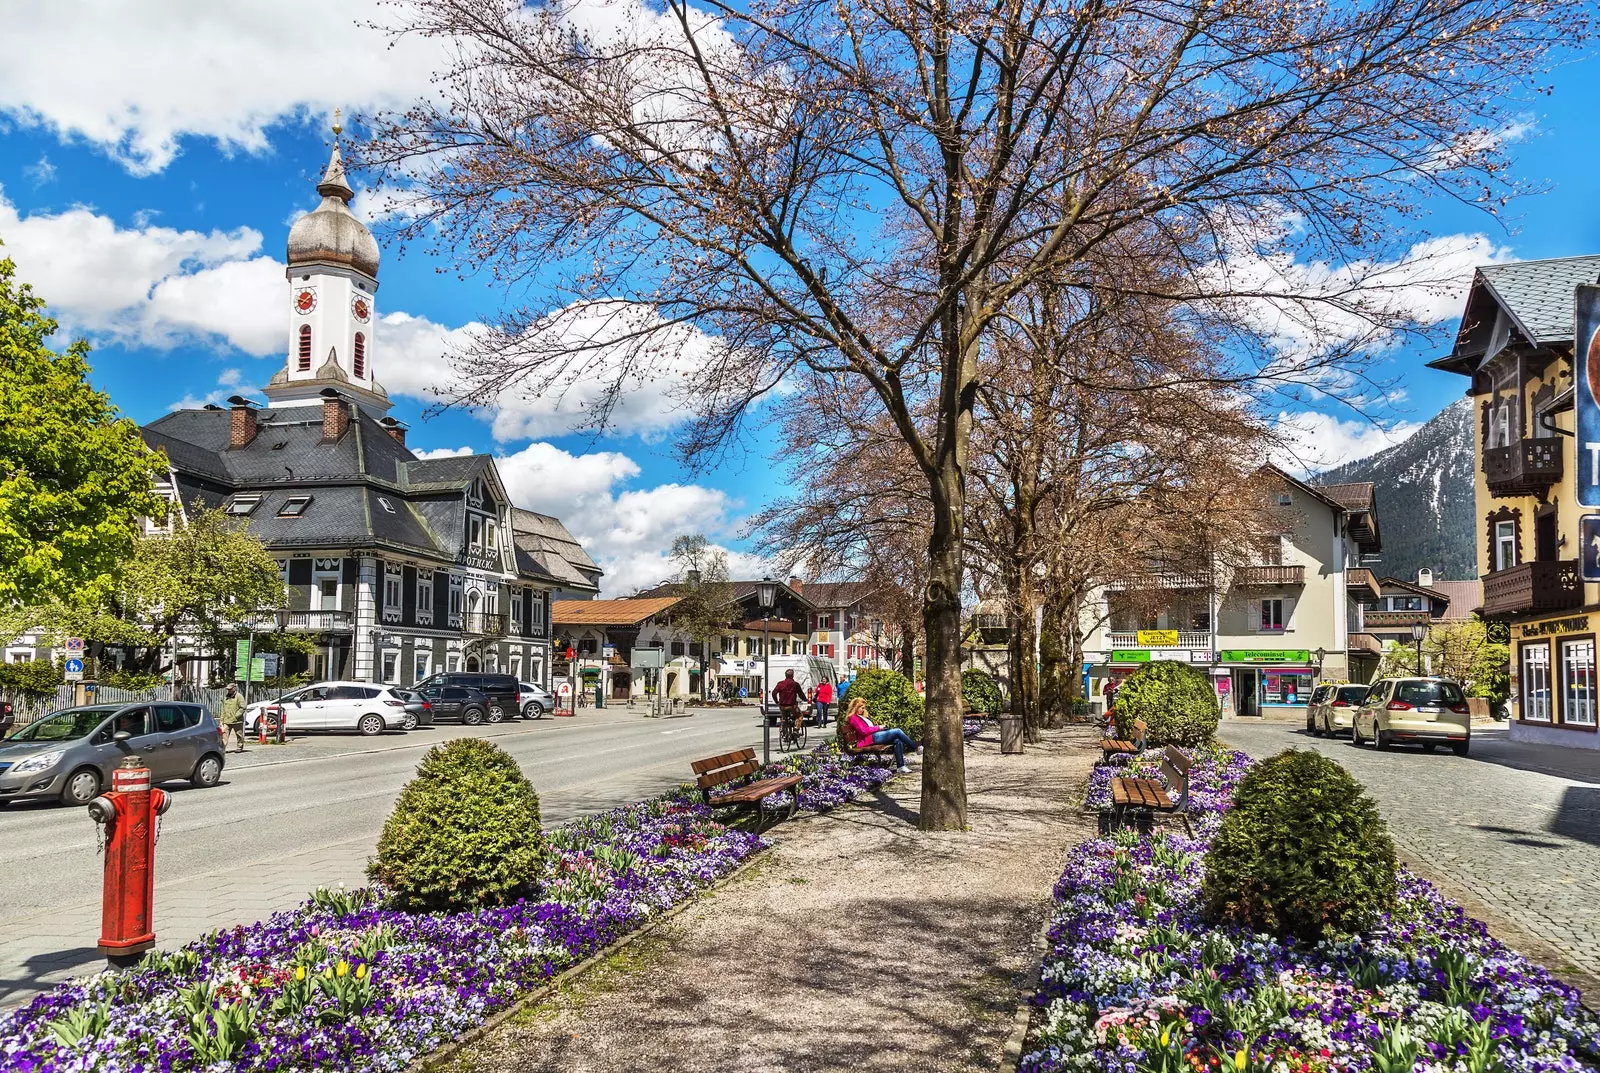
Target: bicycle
791, 729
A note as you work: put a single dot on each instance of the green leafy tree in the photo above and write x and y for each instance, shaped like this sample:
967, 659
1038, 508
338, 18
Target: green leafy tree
1468, 651
75, 477
707, 607
36, 677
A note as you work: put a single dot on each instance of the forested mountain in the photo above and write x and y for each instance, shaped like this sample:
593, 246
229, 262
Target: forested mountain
1424, 489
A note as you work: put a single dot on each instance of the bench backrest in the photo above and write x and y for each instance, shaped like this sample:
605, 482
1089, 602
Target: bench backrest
716, 770
1175, 766
1140, 727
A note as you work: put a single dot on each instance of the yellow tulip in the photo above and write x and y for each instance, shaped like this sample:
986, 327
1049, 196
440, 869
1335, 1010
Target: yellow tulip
1239, 1060
300, 972
361, 972
344, 967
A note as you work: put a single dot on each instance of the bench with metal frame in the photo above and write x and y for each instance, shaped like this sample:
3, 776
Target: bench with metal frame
1147, 798
715, 771
1110, 746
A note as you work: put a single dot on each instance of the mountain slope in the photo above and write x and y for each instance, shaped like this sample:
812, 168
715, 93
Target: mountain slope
1425, 497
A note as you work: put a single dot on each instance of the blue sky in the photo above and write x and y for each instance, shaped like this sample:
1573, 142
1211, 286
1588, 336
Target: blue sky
153, 156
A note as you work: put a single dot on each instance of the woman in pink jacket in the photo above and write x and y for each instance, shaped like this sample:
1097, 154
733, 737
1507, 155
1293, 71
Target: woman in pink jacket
859, 729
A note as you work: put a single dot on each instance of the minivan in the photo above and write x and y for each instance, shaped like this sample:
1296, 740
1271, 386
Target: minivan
69, 755
1427, 711
501, 689
808, 671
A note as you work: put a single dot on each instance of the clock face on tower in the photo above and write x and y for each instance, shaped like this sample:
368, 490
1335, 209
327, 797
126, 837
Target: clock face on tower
305, 300
360, 308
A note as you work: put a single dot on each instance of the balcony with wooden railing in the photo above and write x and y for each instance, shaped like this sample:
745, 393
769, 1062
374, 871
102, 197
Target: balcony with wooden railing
1533, 587
1361, 582
1393, 620
1527, 467
1269, 575
1367, 643
483, 623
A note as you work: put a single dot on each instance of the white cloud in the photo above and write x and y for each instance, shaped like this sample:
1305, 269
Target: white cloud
1314, 441
41, 173
134, 78
230, 382
444, 452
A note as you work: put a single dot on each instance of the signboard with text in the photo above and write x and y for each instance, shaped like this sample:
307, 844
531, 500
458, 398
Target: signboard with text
1589, 547
1159, 638
1586, 381
1265, 655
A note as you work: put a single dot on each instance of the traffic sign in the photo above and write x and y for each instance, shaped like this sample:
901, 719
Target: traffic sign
564, 689
269, 663
75, 644
74, 670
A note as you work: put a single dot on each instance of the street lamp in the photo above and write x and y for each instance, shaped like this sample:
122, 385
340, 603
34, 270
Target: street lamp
766, 596
877, 642
1419, 630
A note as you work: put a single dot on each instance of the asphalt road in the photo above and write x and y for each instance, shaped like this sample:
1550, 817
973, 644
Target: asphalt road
287, 819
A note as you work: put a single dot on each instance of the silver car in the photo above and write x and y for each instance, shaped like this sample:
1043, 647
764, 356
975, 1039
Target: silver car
69, 755
534, 700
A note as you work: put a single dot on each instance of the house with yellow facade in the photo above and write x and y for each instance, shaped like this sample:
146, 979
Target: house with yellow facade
1515, 346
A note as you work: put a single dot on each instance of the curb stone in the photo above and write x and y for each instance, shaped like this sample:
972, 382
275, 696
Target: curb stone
1022, 1020
437, 1058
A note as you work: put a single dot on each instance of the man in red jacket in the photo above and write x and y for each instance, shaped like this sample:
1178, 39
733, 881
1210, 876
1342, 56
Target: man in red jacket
788, 694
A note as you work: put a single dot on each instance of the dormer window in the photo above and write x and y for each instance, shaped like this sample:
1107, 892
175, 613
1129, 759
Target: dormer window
303, 359
387, 506
294, 506
243, 506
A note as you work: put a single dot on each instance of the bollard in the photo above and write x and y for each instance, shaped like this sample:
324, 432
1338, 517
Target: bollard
128, 812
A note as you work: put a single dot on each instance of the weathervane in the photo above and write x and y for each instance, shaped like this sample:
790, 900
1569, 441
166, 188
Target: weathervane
338, 128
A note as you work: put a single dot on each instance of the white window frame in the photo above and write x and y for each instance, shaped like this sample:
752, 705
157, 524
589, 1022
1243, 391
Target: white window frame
425, 598
393, 592
452, 662
389, 666
1281, 619
317, 578
516, 667
1505, 545
1534, 672
420, 663
1576, 709
516, 611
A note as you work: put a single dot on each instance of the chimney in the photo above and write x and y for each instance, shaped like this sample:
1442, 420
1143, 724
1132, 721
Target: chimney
795, 583
395, 429
1425, 578
241, 422
335, 415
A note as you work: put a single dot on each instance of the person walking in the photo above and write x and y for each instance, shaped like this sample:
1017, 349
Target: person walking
232, 717
821, 697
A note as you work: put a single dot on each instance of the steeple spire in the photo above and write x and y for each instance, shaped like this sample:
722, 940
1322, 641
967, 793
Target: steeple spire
333, 182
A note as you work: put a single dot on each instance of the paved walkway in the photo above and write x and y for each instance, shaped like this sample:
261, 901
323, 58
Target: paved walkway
860, 943
1511, 831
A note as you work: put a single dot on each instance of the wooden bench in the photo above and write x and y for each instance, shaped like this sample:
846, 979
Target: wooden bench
716, 771
1147, 797
1110, 746
861, 748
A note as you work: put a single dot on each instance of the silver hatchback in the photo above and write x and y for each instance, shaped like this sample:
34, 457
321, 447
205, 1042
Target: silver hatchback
70, 755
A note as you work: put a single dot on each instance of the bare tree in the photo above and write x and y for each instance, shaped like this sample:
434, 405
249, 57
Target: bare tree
862, 190
707, 607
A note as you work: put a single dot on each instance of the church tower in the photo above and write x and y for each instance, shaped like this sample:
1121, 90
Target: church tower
333, 279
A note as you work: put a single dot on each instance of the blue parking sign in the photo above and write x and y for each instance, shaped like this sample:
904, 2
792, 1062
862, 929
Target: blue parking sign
1586, 381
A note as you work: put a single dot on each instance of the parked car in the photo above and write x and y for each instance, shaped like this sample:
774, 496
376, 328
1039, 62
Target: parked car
535, 700
1316, 698
462, 703
360, 706
1429, 711
70, 754
502, 690
1336, 710
419, 710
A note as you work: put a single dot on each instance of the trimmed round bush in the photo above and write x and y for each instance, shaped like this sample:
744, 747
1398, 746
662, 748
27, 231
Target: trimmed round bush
1176, 702
1302, 853
892, 701
464, 834
982, 692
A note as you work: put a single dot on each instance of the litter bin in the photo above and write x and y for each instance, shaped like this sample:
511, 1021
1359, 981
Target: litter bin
599, 696
1010, 733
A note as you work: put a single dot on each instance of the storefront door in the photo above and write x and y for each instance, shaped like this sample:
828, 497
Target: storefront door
1246, 698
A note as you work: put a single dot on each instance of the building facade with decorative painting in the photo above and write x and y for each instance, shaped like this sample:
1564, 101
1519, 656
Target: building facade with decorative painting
1515, 347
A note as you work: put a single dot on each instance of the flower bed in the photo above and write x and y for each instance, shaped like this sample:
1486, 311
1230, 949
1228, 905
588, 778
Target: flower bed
1136, 981
831, 779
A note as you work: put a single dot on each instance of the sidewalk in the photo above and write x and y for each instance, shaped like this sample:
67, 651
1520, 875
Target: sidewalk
858, 943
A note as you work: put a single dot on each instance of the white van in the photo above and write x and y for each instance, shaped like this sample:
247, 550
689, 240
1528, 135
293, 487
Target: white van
808, 671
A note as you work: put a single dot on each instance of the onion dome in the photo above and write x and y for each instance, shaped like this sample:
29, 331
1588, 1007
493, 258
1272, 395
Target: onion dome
331, 233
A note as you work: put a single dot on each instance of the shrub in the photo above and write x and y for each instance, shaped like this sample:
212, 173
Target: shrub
464, 833
982, 692
891, 701
36, 677
1302, 852
1176, 702
133, 681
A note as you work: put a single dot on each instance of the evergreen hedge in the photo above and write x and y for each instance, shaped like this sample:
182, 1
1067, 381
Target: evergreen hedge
982, 692
1176, 702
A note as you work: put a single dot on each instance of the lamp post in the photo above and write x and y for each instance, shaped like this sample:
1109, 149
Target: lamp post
877, 642
766, 596
1419, 630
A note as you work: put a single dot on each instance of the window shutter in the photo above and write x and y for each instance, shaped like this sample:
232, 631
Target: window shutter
1253, 609
1288, 610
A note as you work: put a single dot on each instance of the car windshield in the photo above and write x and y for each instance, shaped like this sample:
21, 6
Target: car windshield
70, 725
1352, 694
1424, 694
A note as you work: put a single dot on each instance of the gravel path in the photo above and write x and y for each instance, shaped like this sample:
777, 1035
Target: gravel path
858, 943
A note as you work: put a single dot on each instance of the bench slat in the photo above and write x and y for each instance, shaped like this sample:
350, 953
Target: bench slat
756, 790
1140, 793
725, 775
711, 763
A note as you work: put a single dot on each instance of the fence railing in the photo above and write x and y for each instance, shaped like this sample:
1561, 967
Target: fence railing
1186, 639
26, 707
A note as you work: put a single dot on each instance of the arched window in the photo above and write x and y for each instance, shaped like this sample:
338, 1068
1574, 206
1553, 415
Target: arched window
304, 363
361, 356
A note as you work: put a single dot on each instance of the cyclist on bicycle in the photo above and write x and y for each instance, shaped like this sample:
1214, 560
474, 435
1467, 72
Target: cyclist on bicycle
788, 694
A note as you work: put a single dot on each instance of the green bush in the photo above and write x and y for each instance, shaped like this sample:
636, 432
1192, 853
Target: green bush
1176, 702
1302, 852
982, 693
36, 677
464, 833
134, 681
891, 699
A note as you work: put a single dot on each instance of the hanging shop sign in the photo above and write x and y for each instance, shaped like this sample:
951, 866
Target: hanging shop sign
1589, 547
1586, 374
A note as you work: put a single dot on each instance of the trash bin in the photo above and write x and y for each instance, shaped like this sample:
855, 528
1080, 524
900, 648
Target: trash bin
599, 696
1010, 733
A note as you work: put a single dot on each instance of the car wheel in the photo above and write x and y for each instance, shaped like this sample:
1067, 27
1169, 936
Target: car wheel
533, 710
496, 713
1311, 724
371, 725
207, 771
1461, 747
410, 722
1429, 746
1355, 733
472, 716
1384, 741
82, 787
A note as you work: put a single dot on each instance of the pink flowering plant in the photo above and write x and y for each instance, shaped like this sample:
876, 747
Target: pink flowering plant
1135, 981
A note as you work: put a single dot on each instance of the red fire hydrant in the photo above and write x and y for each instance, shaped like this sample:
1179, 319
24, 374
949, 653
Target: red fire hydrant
129, 811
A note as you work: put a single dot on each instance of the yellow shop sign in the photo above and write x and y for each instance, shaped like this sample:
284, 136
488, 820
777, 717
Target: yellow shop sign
1575, 624
1159, 638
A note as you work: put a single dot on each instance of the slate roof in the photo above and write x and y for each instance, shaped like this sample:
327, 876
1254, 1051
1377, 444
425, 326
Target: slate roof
838, 593
1538, 294
542, 540
608, 612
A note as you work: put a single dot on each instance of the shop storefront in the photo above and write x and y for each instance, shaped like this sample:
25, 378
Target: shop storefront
1263, 679
1554, 664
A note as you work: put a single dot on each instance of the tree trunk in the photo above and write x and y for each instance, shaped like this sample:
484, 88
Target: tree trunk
1056, 678
944, 763
1024, 674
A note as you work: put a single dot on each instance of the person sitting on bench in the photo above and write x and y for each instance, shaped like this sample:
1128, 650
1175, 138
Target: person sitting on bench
864, 731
